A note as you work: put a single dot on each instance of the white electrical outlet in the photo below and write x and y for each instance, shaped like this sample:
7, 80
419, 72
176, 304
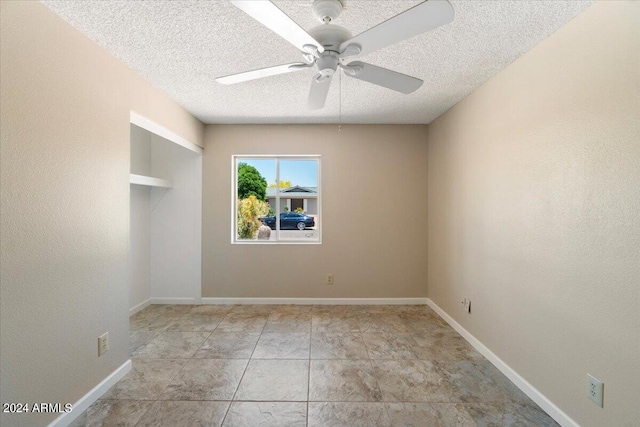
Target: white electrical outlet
466, 305
103, 343
329, 279
595, 390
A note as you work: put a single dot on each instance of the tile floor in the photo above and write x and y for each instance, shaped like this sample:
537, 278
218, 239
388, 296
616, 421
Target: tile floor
310, 366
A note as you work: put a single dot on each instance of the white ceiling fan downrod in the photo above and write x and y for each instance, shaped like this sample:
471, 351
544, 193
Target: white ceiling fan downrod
327, 11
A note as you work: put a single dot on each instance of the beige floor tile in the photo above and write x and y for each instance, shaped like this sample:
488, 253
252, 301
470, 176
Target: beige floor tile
348, 414
335, 310
343, 381
291, 309
289, 321
450, 346
147, 379
508, 414
138, 339
125, 413
389, 346
275, 380
478, 382
430, 415
266, 414
253, 309
172, 413
228, 345
172, 345
411, 381
293, 345
242, 322
196, 322
206, 379
334, 322
211, 309
382, 322
338, 346
153, 319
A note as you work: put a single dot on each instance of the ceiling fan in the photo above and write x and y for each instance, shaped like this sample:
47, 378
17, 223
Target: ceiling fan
328, 45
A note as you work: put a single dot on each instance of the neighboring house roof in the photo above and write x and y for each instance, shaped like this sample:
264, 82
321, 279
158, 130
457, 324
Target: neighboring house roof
294, 192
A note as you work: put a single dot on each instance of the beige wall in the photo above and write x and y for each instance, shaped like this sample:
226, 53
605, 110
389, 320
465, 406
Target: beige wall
534, 184
376, 174
65, 206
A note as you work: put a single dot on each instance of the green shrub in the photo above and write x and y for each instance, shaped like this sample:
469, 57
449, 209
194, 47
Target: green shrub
250, 210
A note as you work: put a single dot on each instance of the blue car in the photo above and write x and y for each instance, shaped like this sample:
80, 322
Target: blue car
290, 221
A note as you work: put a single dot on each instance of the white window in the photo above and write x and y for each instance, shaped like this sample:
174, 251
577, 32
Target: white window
276, 199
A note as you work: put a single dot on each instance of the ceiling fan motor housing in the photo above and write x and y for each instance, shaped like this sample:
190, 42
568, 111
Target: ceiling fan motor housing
330, 36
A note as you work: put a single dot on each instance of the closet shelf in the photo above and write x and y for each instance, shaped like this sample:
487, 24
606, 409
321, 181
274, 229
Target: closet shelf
149, 181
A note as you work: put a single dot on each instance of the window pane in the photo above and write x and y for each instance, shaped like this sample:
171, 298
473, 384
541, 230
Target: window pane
298, 193
276, 199
252, 204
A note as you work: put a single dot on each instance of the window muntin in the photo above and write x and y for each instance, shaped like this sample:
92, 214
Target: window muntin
292, 194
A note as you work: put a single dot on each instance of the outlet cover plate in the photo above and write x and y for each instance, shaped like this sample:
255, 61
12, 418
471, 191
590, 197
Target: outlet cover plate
103, 344
595, 390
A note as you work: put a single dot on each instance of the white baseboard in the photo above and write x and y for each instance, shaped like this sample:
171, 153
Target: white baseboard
185, 300
318, 301
94, 394
139, 307
540, 399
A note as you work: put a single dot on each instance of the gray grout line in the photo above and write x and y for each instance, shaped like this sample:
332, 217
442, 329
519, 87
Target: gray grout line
244, 372
142, 417
384, 404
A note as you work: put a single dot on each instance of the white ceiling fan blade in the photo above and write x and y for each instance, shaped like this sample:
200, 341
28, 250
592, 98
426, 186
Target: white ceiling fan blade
417, 20
277, 21
262, 72
319, 91
383, 77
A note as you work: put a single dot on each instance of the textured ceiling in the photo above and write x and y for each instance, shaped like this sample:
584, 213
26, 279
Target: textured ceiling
181, 46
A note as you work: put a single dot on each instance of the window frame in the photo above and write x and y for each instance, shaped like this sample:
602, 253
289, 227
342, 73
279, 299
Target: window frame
234, 198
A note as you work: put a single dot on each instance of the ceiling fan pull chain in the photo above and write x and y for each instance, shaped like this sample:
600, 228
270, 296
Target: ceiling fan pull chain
340, 103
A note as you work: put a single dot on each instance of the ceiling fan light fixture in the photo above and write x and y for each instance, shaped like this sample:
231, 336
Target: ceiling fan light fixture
328, 63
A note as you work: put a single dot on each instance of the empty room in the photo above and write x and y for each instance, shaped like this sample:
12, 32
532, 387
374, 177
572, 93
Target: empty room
320, 213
